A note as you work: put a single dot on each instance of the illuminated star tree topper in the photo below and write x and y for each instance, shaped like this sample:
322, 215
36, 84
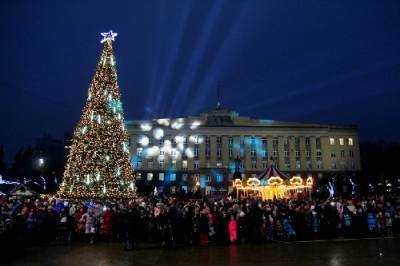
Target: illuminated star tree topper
108, 36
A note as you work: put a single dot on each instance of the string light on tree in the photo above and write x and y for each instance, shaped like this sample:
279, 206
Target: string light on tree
100, 143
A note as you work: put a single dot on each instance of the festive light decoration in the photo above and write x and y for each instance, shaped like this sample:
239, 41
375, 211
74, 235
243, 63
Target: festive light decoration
273, 188
98, 165
108, 36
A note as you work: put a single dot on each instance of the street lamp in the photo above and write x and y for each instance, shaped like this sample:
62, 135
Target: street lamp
41, 162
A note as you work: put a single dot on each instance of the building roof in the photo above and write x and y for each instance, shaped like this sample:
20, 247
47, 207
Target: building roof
220, 117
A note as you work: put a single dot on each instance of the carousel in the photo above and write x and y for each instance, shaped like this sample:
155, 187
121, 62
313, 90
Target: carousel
273, 184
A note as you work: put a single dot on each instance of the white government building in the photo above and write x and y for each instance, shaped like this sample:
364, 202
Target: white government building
198, 151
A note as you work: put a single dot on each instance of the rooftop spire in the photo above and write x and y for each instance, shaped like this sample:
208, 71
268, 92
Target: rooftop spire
218, 99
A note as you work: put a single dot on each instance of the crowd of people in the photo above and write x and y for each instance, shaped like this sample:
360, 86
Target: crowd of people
174, 222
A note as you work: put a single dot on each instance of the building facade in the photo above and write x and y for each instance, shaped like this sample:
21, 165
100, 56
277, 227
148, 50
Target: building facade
193, 152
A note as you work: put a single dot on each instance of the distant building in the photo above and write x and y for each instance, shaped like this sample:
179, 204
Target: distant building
200, 151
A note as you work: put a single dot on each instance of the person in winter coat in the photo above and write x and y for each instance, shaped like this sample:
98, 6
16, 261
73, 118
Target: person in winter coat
107, 223
203, 228
89, 220
232, 229
132, 228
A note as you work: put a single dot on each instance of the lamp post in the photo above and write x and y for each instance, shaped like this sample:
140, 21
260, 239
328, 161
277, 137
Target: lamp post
41, 163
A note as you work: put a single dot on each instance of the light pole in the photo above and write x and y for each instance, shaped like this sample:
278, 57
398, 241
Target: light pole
41, 163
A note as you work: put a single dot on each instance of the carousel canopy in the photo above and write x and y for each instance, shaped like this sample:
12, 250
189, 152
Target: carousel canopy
272, 171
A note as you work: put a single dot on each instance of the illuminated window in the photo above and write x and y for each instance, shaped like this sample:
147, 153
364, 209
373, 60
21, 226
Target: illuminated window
253, 164
298, 164
264, 153
297, 153
309, 165
219, 152
264, 141
196, 177
173, 164
172, 177
161, 164
139, 151
332, 141
149, 176
318, 141
219, 140
275, 153
287, 164
161, 152
319, 153
219, 165
275, 141
253, 153
286, 153
264, 164
308, 153
230, 141
341, 141
173, 153
184, 164
319, 164
350, 141
230, 153
219, 178
196, 151
161, 176
184, 177
286, 141
196, 165
253, 140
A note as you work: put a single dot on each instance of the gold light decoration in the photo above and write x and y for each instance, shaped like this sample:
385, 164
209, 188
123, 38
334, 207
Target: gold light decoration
275, 181
100, 142
309, 181
274, 188
237, 183
296, 181
253, 182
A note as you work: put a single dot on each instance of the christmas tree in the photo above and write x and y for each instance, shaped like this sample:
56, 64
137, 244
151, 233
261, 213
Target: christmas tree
98, 165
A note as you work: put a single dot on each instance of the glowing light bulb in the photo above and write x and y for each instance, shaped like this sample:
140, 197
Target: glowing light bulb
158, 133
146, 127
189, 152
144, 140
195, 125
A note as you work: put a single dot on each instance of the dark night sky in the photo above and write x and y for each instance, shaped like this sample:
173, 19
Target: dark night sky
306, 60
